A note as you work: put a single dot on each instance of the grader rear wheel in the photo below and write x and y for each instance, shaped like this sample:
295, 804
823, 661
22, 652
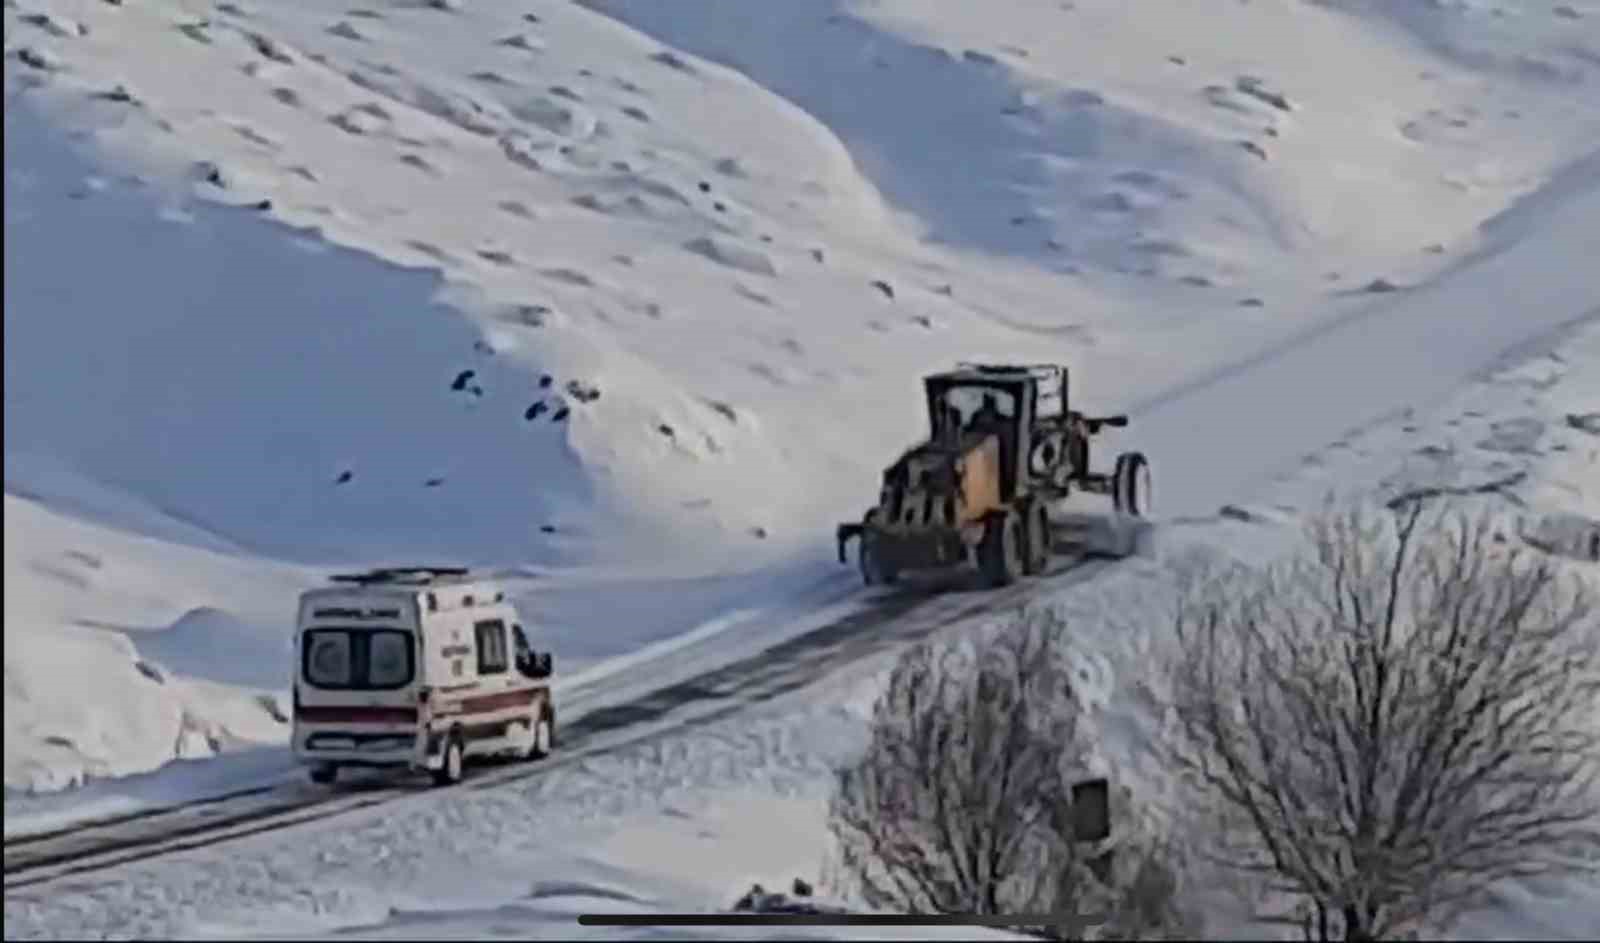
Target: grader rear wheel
1001, 551
1036, 537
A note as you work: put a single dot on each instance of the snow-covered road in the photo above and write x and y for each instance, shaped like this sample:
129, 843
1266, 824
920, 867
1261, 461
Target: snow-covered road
622, 706
1219, 439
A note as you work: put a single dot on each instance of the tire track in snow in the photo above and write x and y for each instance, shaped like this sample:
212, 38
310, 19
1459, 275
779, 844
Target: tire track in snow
891, 620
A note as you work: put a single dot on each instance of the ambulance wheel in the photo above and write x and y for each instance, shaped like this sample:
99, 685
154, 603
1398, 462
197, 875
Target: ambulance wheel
544, 733
539, 740
324, 774
450, 771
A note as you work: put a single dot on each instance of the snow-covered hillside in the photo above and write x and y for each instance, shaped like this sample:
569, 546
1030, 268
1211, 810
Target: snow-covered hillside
695, 256
646, 229
1267, 143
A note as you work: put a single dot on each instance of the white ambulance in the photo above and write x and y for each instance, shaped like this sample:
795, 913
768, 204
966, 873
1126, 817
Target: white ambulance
417, 668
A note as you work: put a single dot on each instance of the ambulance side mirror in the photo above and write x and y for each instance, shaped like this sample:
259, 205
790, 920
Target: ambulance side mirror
535, 665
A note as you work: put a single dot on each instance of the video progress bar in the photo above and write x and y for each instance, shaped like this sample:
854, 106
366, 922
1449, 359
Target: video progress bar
838, 920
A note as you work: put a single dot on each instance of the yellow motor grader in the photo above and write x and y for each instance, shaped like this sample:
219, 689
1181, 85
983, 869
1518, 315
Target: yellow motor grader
1003, 447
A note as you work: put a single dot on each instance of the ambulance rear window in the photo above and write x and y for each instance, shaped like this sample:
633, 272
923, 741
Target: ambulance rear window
357, 659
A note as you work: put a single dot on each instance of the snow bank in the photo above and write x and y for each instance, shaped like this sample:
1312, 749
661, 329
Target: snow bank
94, 686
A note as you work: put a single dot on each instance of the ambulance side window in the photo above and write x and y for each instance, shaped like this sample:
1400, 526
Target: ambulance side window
491, 639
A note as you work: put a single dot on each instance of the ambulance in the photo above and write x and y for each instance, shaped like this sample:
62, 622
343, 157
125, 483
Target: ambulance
416, 668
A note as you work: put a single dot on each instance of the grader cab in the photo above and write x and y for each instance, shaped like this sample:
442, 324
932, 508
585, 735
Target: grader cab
1003, 447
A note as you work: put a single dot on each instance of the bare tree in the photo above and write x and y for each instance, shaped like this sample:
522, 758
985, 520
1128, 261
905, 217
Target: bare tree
1395, 721
946, 809
962, 802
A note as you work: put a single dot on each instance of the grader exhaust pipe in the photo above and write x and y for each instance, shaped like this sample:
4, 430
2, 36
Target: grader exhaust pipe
1115, 422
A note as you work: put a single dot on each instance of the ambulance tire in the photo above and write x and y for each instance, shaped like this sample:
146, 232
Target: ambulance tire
544, 735
453, 768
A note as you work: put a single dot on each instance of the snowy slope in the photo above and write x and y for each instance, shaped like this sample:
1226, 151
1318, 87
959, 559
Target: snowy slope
687, 821
1118, 131
414, 154
570, 191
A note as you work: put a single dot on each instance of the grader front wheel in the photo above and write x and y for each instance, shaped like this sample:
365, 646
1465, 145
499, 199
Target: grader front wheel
1130, 484
875, 571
